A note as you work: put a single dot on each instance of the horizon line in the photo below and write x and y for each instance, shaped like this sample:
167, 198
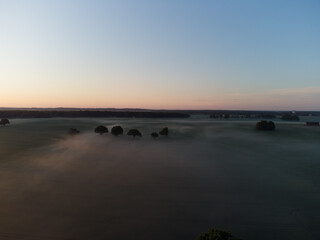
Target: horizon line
148, 109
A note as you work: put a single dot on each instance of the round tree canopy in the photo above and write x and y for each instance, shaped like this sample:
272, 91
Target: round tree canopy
101, 130
117, 130
134, 133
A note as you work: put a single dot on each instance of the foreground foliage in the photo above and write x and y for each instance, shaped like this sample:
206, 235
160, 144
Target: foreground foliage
215, 234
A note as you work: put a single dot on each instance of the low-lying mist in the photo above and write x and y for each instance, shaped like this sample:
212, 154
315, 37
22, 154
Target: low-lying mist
224, 174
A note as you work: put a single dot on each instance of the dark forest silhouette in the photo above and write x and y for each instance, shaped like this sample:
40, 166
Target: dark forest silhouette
75, 114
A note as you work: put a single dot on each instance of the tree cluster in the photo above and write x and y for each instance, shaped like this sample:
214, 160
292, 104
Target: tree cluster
118, 130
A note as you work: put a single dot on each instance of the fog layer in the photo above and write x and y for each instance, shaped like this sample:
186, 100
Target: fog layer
259, 185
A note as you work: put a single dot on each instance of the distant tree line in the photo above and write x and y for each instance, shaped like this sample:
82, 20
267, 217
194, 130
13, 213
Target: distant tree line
252, 114
76, 114
290, 117
255, 116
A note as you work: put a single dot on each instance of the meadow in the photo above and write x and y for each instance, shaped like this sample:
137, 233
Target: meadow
206, 173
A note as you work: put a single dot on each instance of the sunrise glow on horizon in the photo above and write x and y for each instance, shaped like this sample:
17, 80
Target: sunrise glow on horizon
251, 55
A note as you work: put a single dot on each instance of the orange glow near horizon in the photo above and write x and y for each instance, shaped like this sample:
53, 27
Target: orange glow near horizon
283, 99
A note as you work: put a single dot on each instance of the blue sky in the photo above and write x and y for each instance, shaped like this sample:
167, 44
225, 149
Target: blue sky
161, 54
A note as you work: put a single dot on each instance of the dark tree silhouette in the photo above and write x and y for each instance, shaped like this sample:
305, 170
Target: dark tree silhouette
134, 133
164, 132
117, 130
101, 130
4, 121
265, 125
154, 135
73, 131
215, 234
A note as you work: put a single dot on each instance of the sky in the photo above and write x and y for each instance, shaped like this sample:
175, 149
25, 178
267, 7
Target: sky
160, 54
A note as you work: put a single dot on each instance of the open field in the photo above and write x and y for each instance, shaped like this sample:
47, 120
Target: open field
206, 173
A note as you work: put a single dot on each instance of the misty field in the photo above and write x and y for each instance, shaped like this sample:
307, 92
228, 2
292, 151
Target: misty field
206, 173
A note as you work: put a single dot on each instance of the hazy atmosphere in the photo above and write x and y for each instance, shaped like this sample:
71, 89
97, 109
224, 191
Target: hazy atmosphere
159, 120
260, 185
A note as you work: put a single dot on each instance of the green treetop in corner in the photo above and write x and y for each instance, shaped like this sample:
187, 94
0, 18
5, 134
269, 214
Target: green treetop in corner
215, 234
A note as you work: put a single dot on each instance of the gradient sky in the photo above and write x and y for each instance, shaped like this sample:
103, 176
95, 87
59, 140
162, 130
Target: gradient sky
173, 54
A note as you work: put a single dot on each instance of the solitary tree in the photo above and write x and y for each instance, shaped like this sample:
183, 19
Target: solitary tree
265, 125
4, 121
154, 135
117, 130
164, 132
134, 133
101, 130
73, 131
